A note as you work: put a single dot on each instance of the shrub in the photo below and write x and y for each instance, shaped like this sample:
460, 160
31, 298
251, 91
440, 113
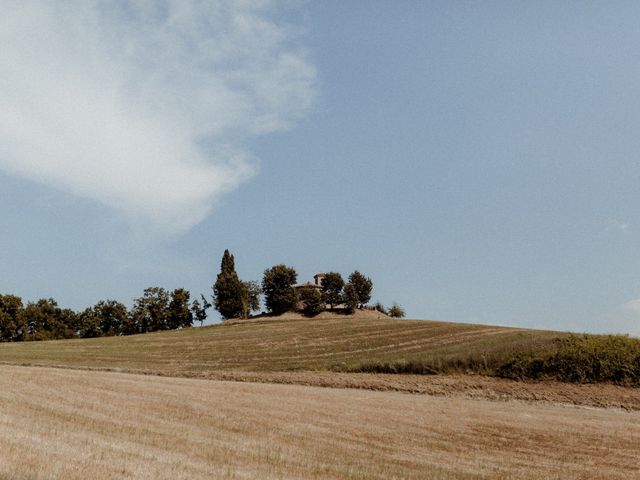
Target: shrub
396, 311
581, 359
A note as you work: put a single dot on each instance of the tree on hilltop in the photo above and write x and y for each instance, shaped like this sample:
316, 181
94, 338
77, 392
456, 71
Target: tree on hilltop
277, 286
251, 291
362, 286
350, 297
312, 300
332, 284
199, 309
228, 291
179, 314
150, 312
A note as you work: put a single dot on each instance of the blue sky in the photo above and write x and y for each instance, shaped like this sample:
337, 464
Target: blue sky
478, 160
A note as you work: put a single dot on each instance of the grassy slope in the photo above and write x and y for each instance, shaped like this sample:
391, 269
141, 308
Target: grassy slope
282, 345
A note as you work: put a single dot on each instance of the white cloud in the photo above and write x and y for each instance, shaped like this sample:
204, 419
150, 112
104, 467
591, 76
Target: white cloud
144, 106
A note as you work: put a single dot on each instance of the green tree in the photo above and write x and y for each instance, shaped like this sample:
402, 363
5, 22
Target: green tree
350, 297
45, 320
396, 311
277, 285
199, 309
150, 312
228, 292
89, 324
363, 286
179, 315
130, 325
251, 292
12, 324
312, 301
105, 318
332, 285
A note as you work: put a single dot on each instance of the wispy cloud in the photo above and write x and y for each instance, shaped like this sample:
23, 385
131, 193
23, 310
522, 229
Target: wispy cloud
145, 106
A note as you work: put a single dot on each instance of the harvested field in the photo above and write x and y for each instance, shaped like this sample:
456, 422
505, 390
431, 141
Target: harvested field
72, 424
286, 345
453, 386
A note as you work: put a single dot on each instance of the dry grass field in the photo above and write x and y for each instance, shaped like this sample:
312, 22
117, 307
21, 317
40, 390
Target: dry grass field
284, 345
256, 409
74, 424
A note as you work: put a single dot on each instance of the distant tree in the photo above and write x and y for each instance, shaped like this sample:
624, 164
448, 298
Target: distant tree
12, 324
45, 320
150, 312
350, 297
363, 286
179, 314
89, 324
228, 291
199, 309
251, 291
130, 325
312, 301
396, 311
277, 285
332, 285
105, 318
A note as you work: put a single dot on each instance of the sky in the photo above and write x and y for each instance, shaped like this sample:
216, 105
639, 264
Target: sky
478, 160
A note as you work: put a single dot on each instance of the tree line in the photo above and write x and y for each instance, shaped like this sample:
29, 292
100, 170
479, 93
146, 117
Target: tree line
157, 309
235, 298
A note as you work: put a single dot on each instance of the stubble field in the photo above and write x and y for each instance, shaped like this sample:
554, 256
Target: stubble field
255, 407
76, 424
274, 345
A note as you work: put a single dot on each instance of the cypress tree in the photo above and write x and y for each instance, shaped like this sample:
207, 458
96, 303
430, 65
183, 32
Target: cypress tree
228, 289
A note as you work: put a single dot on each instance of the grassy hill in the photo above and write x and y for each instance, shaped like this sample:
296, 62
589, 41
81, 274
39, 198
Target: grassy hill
339, 343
